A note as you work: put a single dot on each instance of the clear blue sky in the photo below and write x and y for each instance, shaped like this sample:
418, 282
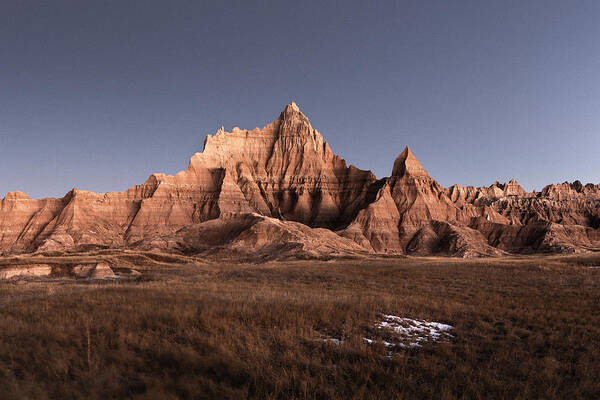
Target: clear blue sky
99, 94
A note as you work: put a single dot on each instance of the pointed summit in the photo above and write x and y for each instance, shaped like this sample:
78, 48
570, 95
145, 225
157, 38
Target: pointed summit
294, 123
290, 111
407, 164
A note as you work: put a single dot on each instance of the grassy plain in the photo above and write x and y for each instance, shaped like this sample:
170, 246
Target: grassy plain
525, 327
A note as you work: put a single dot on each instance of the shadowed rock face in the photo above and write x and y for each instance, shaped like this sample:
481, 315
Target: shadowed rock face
269, 190
495, 220
285, 170
413, 214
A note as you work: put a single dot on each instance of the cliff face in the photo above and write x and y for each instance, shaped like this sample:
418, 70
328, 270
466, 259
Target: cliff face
272, 189
415, 215
285, 170
423, 218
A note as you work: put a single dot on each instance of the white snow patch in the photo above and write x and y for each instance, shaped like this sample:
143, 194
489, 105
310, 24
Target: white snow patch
406, 333
386, 344
414, 328
410, 332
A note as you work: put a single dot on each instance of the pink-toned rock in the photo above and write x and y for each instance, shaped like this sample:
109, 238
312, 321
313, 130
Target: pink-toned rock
285, 170
26, 271
102, 271
268, 190
428, 219
247, 235
83, 271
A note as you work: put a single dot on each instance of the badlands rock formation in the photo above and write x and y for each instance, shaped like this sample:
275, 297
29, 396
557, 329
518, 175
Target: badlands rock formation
27, 271
281, 192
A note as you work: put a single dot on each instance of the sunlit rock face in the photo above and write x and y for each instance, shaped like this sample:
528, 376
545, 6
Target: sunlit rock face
281, 189
285, 170
412, 214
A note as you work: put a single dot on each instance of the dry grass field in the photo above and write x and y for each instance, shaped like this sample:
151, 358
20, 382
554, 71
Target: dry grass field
524, 327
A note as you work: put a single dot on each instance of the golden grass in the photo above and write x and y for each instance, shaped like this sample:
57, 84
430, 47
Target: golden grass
525, 327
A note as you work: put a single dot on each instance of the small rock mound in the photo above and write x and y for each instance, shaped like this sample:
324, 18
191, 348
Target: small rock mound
102, 271
90, 271
26, 271
83, 271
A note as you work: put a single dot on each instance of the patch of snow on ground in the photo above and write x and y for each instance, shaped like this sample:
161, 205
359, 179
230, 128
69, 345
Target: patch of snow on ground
386, 344
411, 332
414, 328
405, 333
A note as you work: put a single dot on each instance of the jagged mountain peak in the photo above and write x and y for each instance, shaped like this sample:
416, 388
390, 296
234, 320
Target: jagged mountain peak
286, 172
407, 165
292, 107
292, 111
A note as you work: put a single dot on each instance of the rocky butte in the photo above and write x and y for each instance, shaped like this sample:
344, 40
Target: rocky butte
280, 192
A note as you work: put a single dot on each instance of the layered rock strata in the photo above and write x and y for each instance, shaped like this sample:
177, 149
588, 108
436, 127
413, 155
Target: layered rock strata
281, 190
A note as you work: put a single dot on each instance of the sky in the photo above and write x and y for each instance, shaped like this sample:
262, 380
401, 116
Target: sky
99, 94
